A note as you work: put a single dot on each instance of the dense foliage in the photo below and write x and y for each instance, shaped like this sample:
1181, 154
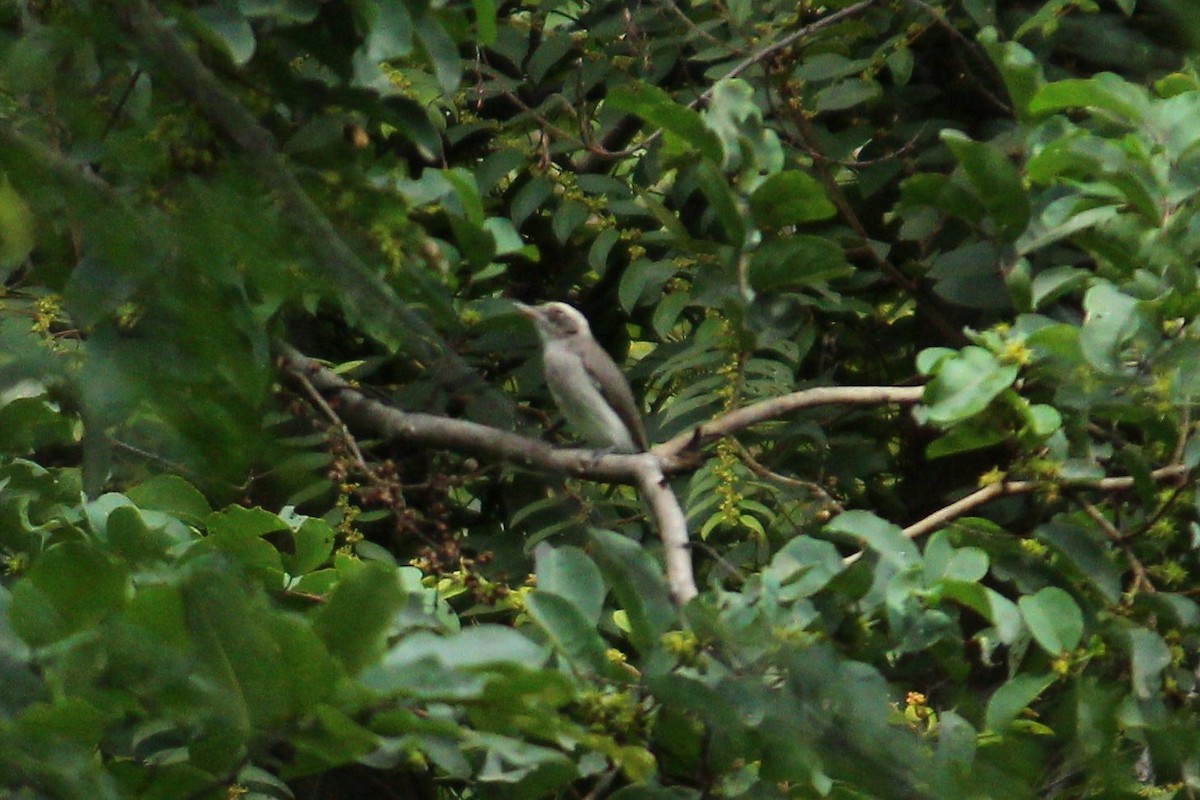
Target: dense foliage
214, 588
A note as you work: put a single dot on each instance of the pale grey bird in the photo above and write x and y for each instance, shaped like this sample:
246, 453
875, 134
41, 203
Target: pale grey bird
588, 386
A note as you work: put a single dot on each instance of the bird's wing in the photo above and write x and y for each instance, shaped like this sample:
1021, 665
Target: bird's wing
614, 388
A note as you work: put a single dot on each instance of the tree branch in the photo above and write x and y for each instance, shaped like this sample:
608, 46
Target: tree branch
646, 471
777, 407
956, 509
643, 470
1141, 578
793, 37
944, 516
672, 529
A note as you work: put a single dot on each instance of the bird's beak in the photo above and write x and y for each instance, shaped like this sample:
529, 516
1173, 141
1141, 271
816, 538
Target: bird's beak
527, 311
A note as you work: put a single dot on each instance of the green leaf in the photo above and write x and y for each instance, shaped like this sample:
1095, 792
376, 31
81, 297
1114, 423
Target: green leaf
929, 359
70, 587
748, 146
1111, 320
173, 495
1054, 619
229, 30
994, 179
31, 423
446, 665
968, 276
790, 198
132, 538
643, 281
1087, 551
881, 536
567, 219
244, 523
412, 121
988, 603
466, 192
229, 624
284, 11
943, 561
16, 230
956, 741
570, 573
1106, 92
1020, 69
803, 567
724, 204
971, 434
602, 246
529, 198
666, 314
504, 235
485, 21
638, 583
356, 618
571, 632
1148, 657
658, 108
797, 262
965, 385
438, 47
478, 646
1042, 420
1013, 697
847, 94
900, 63
827, 66
1056, 282
312, 545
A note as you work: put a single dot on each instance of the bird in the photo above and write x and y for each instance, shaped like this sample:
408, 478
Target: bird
587, 385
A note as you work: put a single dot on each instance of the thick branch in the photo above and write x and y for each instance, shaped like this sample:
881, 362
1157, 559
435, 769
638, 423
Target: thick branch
672, 529
643, 470
461, 436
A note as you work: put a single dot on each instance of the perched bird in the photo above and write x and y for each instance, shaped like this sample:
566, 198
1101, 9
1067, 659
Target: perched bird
588, 386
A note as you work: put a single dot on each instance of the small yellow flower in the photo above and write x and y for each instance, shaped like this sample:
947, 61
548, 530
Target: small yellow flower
1061, 665
992, 477
1016, 353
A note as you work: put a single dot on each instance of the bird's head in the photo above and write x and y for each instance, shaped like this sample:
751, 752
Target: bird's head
556, 321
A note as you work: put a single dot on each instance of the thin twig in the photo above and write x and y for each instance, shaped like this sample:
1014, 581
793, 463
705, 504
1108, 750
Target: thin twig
954, 33
696, 29
749, 61
111, 122
1006, 488
812, 487
1184, 429
331, 416
946, 515
817, 155
776, 407
847, 212
1141, 578
787, 41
